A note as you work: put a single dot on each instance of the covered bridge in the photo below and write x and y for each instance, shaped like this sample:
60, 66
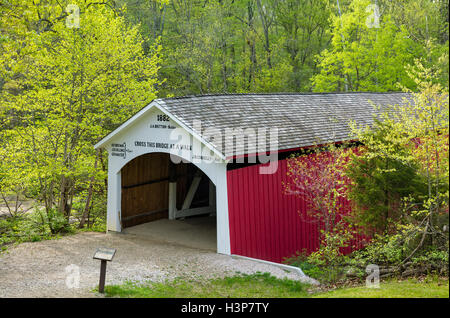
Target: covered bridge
225, 156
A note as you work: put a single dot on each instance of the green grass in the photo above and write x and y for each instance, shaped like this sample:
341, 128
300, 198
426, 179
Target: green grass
256, 286
263, 285
412, 288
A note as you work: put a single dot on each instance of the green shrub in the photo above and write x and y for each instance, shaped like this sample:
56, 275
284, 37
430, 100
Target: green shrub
392, 250
315, 267
22, 228
32, 227
54, 220
300, 260
383, 250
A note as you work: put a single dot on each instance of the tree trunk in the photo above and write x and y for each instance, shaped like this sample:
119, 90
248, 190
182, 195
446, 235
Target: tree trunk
89, 197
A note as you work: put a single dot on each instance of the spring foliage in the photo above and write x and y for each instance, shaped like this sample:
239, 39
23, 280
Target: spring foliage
405, 158
66, 87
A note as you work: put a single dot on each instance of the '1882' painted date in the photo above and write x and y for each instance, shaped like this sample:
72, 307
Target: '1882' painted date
162, 118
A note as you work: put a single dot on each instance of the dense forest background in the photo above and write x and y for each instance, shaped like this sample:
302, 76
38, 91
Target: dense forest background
227, 46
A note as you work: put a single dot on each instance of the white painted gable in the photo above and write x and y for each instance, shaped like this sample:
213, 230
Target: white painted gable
153, 130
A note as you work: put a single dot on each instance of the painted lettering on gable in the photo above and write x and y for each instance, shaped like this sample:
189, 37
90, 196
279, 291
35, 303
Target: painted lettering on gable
162, 145
162, 117
162, 122
160, 126
119, 150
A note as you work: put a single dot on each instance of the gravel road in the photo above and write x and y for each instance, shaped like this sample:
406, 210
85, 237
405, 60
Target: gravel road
41, 269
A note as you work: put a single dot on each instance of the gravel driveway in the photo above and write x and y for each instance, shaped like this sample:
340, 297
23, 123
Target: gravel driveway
41, 269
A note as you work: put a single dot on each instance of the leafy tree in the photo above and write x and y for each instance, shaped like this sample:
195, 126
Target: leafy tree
415, 137
379, 182
226, 46
65, 89
318, 179
424, 19
364, 57
305, 25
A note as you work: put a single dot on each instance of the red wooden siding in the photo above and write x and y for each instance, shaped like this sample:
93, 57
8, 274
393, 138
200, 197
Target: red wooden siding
264, 222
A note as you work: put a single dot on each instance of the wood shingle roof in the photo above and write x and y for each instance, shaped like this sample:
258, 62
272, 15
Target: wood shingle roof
302, 119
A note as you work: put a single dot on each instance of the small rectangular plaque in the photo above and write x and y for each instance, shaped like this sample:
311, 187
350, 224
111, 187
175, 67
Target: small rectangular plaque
104, 253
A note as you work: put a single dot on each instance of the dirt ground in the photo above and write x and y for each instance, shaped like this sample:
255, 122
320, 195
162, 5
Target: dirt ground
49, 268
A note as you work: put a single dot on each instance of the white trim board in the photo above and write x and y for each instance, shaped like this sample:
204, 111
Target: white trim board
285, 267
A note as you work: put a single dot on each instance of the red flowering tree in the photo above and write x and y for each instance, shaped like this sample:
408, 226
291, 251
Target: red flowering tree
318, 178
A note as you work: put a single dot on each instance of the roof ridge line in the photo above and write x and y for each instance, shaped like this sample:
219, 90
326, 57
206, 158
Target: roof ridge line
279, 94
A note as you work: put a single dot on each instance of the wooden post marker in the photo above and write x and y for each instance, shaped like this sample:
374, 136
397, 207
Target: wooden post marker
104, 255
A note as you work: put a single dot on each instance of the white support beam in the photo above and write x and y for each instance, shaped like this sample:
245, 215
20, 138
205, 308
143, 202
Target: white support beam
114, 200
191, 192
223, 225
212, 196
172, 200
